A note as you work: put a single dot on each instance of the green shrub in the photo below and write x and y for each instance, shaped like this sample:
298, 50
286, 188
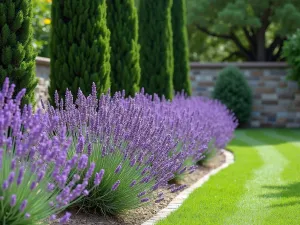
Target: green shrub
17, 57
181, 77
233, 91
156, 39
291, 52
122, 21
80, 51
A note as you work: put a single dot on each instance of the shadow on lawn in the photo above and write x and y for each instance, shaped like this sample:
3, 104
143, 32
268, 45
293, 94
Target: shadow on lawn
260, 135
284, 192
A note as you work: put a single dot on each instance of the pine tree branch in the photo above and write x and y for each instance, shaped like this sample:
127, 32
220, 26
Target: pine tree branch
206, 31
235, 53
242, 48
249, 36
276, 56
277, 42
231, 37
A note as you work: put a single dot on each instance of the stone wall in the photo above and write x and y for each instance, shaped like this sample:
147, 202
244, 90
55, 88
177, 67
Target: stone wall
42, 72
276, 101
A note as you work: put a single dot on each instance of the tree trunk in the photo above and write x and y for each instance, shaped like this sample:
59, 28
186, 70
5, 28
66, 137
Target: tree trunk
260, 50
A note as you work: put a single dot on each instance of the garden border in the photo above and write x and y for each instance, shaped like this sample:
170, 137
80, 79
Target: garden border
179, 199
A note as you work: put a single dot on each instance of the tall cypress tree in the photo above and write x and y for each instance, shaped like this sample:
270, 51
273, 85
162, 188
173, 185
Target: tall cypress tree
181, 79
155, 35
123, 23
80, 52
17, 58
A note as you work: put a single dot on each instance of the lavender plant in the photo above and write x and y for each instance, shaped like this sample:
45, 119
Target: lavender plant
35, 170
136, 154
199, 124
139, 143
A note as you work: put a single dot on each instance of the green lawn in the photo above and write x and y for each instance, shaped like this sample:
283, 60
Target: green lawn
262, 187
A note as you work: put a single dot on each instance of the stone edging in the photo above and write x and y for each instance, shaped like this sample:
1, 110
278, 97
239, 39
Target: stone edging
179, 199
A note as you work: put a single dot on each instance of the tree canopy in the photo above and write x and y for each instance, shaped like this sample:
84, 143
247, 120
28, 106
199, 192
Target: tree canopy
256, 28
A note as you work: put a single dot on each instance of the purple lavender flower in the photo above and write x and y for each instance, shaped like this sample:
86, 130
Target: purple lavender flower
159, 200
40, 176
178, 188
52, 217
13, 164
65, 218
23, 205
27, 215
83, 161
20, 176
33, 185
132, 183
141, 193
145, 200
5, 185
116, 185
118, 169
13, 200
99, 177
89, 149
11, 177
50, 187
80, 145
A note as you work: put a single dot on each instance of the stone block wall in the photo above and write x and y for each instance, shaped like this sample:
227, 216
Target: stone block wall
42, 72
276, 101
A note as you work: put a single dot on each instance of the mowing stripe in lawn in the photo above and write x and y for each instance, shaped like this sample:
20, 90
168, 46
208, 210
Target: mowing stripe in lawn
283, 135
260, 188
286, 197
219, 197
252, 209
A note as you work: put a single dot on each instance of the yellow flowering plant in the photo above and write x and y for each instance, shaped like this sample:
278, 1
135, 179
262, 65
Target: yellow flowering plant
41, 26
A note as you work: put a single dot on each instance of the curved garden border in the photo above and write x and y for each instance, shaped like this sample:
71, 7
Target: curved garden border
179, 199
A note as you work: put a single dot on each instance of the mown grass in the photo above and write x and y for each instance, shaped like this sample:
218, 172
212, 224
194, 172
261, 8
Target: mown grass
217, 198
273, 200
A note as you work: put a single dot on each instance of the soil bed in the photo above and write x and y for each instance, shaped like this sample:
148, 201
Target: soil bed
142, 214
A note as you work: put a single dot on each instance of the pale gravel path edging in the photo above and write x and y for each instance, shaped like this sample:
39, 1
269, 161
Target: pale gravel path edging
179, 199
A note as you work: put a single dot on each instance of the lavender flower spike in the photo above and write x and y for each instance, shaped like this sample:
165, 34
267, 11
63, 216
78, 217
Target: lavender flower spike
116, 185
13, 200
99, 177
65, 218
118, 169
23, 205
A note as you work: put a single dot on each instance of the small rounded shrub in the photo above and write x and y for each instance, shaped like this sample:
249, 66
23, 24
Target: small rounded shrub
233, 91
291, 52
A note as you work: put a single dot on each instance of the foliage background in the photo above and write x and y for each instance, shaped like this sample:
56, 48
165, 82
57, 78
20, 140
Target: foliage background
202, 47
41, 22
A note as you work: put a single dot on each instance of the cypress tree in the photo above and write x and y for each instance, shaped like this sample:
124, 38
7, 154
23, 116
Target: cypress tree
17, 58
155, 35
181, 79
80, 52
123, 23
